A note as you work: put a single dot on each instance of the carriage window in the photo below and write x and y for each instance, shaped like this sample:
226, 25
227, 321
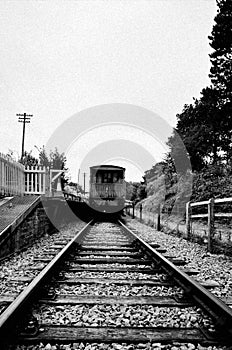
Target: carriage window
109, 177
99, 178
105, 177
115, 177
120, 177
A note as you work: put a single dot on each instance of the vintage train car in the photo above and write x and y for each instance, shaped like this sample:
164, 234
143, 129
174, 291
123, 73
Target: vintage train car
107, 188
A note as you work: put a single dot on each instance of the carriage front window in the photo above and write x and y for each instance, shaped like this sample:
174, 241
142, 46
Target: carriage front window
99, 179
109, 177
105, 178
115, 177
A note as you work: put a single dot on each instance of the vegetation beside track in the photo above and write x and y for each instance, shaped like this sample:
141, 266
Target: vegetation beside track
205, 128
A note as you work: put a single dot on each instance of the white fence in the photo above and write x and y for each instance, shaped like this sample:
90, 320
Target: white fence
35, 180
15, 179
11, 177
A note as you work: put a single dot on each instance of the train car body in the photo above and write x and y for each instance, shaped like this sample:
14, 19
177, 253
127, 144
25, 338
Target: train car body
107, 188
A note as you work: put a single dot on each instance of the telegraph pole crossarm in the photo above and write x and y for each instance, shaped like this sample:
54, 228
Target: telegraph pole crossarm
23, 118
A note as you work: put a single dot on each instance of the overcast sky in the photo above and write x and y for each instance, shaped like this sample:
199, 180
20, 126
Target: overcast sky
58, 58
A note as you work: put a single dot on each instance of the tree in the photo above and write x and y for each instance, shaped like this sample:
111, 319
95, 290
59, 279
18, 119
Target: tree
141, 191
136, 191
54, 160
205, 127
221, 42
203, 131
190, 128
131, 190
221, 70
28, 159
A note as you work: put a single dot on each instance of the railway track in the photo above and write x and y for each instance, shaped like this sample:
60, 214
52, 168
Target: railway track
109, 286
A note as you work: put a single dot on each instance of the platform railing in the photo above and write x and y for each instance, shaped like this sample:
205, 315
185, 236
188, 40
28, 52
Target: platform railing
11, 176
17, 179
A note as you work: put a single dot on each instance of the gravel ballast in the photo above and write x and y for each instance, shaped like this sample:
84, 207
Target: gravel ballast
83, 315
116, 346
211, 267
114, 275
122, 316
109, 289
22, 264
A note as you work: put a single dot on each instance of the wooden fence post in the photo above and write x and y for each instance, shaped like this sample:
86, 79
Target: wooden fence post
158, 218
133, 210
210, 223
188, 220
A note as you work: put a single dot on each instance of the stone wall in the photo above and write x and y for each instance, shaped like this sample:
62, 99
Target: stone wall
35, 225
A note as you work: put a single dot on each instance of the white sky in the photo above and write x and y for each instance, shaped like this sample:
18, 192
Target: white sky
60, 57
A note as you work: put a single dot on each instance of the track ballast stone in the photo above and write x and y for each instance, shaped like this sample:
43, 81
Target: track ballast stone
211, 267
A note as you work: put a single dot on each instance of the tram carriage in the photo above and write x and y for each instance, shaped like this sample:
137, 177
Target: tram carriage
107, 190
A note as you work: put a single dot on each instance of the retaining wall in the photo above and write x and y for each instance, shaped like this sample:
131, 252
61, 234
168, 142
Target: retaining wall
21, 234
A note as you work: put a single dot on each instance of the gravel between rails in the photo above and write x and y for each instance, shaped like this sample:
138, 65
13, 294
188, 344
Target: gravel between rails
212, 267
20, 264
92, 256
103, 266
84, 315
114, 275
115, 290
116, 346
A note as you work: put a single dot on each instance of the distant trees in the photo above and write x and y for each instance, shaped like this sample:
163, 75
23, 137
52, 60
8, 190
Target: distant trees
28, 159
53, 160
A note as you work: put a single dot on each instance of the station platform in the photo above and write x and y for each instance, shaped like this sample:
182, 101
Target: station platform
13, 210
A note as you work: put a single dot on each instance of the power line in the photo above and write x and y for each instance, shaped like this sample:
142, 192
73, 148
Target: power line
23, 118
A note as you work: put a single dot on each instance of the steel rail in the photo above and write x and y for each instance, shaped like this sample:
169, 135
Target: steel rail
12, 312
217, 309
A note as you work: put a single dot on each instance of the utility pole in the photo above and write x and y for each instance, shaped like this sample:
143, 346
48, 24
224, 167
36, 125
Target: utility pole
23, 118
